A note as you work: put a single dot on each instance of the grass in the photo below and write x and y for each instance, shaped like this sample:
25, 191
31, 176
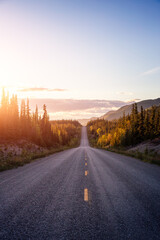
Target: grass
150, 157
11, 161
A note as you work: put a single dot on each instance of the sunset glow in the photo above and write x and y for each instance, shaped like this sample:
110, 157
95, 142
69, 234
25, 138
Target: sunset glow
91, 51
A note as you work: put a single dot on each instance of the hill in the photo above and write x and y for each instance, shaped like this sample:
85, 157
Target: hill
111, 115
84, 121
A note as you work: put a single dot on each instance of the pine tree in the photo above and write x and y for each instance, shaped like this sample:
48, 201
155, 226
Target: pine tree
23, 119
28, 111
36, 114
157, 123
4, 114
152, 122
141, 125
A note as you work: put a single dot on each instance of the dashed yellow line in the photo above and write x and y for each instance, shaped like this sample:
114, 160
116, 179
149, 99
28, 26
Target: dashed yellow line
86, 195
86, 189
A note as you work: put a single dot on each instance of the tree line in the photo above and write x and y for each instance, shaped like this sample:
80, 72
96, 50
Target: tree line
68, 131
127, 130
17, 122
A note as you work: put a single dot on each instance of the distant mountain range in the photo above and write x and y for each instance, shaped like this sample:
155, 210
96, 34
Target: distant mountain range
84, 121
111, 115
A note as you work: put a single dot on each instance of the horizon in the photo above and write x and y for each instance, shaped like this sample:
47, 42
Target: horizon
88, 57
60, 106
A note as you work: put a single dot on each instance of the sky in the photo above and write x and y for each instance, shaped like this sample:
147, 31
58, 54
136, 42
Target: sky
99, 54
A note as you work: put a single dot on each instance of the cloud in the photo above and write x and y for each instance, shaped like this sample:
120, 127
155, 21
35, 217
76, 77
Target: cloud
42, 89
125, 93
133, 100
151, 71
65, 105
75, 108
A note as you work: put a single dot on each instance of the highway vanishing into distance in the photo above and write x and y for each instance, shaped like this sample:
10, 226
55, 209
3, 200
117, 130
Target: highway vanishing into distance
81, 193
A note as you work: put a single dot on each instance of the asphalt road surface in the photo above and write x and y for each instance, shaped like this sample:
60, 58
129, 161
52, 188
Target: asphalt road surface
82, 193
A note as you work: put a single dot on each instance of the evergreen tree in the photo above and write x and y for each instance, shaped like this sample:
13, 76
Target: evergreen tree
15, 125
141, 125
152, 122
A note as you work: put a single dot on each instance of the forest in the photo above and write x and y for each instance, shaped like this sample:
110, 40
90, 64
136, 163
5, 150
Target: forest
128, 130
17, 122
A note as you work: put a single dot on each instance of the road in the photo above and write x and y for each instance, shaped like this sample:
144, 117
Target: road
81, 193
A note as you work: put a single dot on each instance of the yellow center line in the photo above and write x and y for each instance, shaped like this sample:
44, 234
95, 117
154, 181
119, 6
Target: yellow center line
86, 195
86, 173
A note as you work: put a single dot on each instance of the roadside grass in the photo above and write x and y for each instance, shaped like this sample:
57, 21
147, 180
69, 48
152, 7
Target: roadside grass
147, 156
150, 157
10, 161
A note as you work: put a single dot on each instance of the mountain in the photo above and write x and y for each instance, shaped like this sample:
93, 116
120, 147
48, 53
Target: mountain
128, 108
111, 115
84, 122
